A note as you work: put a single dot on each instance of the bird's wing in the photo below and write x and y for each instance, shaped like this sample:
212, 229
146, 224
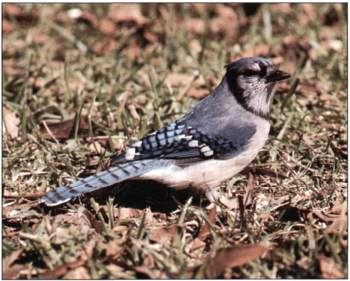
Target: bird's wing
178, 141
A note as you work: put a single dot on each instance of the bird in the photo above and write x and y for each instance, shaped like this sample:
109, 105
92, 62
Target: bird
209, 145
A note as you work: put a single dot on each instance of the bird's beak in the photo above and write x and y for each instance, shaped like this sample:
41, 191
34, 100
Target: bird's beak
277, 75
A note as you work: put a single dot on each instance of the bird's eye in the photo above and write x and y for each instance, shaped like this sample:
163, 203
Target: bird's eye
250, 72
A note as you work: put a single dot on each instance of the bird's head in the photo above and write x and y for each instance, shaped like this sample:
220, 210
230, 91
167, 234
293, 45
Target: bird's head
252, 81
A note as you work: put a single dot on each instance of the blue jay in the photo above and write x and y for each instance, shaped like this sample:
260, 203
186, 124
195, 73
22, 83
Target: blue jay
213, 142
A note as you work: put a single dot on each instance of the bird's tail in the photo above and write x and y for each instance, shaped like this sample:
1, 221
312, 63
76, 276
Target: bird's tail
106, 178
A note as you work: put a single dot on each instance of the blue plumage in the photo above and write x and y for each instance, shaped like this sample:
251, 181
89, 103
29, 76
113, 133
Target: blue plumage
214, 141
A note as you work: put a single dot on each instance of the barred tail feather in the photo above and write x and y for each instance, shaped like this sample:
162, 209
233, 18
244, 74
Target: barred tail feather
106, 178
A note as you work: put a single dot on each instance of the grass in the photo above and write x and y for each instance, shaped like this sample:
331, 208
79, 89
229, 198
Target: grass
119, 72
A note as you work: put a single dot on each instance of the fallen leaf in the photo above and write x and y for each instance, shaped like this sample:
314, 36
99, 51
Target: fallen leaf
10, 123
228, 258
196, 246
113, 248
93, 222
126, 213
231, 204
304, 262
165, 233
328, 268
310, 10
40, 82
12, 9
115, 270
340, 207
77, 273
128, 13
305, 138
202, 235
68, 218
61, 270
7, 26
62, 130
13, 271
226, 22
7, 261
179, 79
337, 151
258, 51
336, 223
95, 149
107, 26
197, 93
196, 26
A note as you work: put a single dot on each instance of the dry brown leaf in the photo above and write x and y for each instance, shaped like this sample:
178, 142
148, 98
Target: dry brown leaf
230, 204
179, 79
62, 130
10, 123
113, 248
261, 50
13, 271
234, 256
107, 26
126, 213
196, 26
337, 223
228, 258
40, 82
77, 273
68, 218
61, 270
282, 7
196, 247
128, 13
7, 26
337, 151
93, 222
121, 229
12, 9
11, 71
305, 138
164, 233
328, 268
310, 10
197, 93
95, 149
304, 262
114, 269
7, 261
290, 41
205, 229
150, 37
340, 206
226, 22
